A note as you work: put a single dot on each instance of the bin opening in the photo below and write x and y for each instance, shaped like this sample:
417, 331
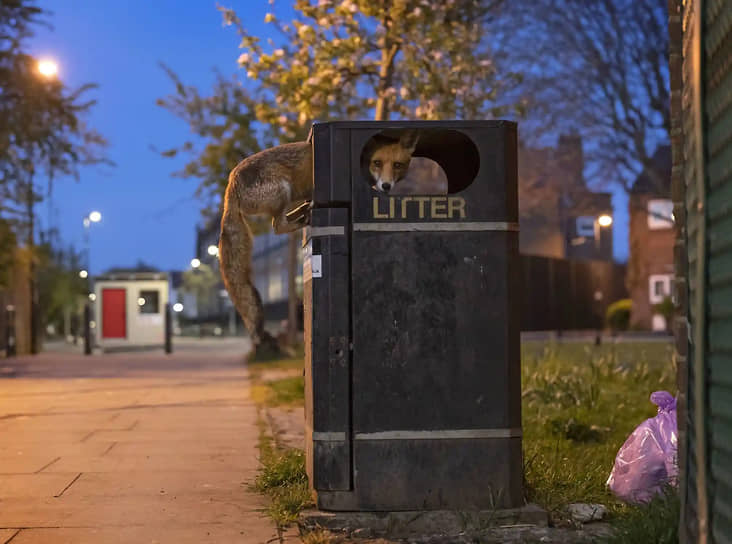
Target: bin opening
443, 162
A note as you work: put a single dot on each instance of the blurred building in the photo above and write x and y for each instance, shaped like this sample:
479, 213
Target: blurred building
651, 242
559, 214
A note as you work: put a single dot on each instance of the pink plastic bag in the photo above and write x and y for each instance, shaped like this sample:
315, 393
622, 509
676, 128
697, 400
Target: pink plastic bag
647, 460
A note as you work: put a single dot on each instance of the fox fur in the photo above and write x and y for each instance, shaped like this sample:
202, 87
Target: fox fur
273, 182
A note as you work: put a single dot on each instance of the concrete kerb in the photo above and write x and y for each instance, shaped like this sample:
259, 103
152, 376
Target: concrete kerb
410, 524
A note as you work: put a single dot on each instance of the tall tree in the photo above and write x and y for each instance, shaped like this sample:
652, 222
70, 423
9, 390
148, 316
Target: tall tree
41, 129
373, 58
599, 68
349, 59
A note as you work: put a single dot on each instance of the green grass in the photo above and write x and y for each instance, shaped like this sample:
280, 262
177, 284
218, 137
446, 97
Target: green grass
579, 404
283, 479
656, 522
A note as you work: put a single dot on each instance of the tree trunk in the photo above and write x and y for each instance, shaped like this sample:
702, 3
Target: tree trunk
292, 300
386, 73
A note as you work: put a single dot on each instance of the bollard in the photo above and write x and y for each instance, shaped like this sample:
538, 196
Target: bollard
411, 301
87, 330
168, 329
10, 341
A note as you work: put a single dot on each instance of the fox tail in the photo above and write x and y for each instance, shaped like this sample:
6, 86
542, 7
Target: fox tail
235, 255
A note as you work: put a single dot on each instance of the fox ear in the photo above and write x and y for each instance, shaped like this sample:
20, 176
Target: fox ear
408, 140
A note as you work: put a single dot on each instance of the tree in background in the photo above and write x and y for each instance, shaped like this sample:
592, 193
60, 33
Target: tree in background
414, 59
42, 132
599, 68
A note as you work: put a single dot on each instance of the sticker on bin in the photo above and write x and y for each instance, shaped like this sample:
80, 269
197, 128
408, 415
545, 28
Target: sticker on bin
311, 265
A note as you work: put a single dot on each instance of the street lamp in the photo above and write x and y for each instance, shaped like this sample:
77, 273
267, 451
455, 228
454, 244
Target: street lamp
83, 274
47, 68
213, 250
605, 220
195, 263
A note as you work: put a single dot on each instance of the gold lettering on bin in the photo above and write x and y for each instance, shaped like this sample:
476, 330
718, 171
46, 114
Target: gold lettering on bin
431, 207
378, 215
456, 203
438, 210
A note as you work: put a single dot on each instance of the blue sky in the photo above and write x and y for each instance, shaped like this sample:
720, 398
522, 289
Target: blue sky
147, 214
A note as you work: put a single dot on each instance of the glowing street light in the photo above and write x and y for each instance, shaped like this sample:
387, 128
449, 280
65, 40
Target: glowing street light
48, 68
140, 301
83, 274
177, 307
195, 263
605, 220
92, 297
213, 250
95, 217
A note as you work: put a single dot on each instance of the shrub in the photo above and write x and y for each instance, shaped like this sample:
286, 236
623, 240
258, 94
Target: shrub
617, 315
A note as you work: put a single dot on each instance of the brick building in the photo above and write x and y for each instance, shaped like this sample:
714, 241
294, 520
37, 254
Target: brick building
559, 214
652, 237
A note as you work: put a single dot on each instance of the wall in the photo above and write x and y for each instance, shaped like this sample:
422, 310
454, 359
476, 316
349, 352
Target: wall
563, 294
651, 253
142, 329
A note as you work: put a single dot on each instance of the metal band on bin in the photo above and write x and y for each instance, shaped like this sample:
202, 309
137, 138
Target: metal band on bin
501, 226
327, 231
445, 434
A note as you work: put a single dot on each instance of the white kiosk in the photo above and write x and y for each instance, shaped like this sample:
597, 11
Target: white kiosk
129, 310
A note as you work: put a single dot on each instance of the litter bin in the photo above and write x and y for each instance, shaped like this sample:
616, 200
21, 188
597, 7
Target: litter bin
412, 372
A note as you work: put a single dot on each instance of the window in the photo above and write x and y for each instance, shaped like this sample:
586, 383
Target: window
149, 302
659, 287
586, 225
660, 214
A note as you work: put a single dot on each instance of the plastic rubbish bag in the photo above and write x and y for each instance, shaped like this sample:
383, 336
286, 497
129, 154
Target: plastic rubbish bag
648, 460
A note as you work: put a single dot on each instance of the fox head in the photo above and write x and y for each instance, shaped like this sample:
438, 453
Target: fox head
389, 160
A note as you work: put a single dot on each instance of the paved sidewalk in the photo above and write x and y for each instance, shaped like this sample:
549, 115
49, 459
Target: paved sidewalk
129, 448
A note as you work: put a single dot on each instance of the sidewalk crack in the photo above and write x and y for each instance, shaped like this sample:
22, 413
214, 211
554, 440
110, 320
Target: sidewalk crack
16, 533
44, 467
72, 482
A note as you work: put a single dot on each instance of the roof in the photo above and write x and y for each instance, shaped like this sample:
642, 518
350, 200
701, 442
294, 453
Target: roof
132, 276
647, 184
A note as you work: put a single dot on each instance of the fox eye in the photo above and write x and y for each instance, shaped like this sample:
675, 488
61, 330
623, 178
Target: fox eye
398, 165
378, 163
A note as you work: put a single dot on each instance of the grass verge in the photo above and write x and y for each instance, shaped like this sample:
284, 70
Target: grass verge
580, 402
282, 478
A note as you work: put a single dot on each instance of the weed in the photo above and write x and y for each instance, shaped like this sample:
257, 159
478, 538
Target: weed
655, 522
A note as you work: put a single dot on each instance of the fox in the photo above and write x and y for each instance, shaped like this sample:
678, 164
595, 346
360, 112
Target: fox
278, 182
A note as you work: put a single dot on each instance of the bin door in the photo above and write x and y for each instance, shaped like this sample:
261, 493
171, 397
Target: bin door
327, 354
114, 313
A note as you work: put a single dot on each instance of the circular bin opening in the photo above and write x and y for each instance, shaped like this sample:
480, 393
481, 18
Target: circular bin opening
443, 161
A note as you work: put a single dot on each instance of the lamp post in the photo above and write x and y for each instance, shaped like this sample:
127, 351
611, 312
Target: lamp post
47, 69
92, 217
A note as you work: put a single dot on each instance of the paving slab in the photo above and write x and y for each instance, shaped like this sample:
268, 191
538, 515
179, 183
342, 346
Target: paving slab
192, 534
130, 448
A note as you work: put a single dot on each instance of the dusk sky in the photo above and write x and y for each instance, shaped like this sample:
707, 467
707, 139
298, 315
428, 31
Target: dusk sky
147, 214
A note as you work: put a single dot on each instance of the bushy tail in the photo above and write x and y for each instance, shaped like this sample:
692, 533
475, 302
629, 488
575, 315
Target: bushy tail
235, 259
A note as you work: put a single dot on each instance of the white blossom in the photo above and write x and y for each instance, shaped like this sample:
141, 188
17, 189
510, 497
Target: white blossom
243, 58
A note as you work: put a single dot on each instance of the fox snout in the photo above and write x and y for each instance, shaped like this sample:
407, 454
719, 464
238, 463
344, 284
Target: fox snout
389, 162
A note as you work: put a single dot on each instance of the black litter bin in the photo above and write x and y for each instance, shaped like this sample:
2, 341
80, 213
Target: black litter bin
412, 373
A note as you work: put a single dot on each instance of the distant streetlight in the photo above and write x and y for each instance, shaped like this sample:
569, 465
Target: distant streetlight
195, 263
177, 307
95, 217
140, 301
83, 274
48, 68
605, 220
92, 297
213, 250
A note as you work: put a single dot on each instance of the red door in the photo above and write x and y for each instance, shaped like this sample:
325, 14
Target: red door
114, 313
